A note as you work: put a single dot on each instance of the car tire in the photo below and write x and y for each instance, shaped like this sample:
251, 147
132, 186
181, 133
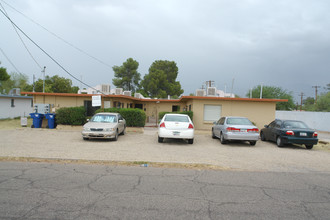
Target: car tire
116, 136
190, 141
309, 146
279, 141
160, 140
213, 136
222, 139
252, 143
262, 136
85, 138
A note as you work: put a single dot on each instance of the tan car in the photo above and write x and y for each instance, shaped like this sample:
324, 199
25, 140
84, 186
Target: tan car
104, 126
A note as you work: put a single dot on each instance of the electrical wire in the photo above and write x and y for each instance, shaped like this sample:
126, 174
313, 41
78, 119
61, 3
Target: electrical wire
47, 53
22, 40
10, 61
60, 38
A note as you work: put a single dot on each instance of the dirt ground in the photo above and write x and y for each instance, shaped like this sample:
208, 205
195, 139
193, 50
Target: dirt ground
140, 146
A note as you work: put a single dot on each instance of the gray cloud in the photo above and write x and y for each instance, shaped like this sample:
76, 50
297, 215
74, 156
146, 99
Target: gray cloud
282, 43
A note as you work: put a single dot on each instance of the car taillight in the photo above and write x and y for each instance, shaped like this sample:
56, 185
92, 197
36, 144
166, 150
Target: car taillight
254, 130
190, 126
291, 133
232, 129
162, 125
315, 134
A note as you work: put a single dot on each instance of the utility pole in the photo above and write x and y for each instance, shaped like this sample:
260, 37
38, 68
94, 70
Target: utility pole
33, 82
316, 93
43, 84
301, 100
261, 91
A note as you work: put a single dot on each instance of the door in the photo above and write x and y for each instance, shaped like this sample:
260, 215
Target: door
90, 110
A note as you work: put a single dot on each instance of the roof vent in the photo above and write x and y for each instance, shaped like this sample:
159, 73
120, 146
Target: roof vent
128, 93
200, 92
119, 91
15, 92
211, 91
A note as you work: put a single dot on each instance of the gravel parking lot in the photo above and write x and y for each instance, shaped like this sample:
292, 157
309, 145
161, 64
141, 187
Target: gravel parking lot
142, 145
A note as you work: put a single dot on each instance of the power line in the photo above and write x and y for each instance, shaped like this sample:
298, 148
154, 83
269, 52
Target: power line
60, 38
21, 39
47, 53
10, 61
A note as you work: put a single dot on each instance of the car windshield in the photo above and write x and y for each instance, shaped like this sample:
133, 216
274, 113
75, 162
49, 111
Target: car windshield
104, 118
294, 124
238, 121
177, 118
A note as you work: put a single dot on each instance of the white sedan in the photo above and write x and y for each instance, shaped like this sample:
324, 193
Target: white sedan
177, 126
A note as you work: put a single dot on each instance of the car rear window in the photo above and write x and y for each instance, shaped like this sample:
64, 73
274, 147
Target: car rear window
294, 124
238, 121
104, 118
177, 118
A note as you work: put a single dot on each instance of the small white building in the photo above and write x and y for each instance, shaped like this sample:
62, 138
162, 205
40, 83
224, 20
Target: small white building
12, 106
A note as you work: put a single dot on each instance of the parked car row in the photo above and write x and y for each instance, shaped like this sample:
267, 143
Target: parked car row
227, 129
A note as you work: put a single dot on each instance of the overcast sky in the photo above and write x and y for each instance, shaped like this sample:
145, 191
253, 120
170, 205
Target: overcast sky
284, 43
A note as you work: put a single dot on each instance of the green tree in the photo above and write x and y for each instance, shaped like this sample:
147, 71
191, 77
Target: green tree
309, 104
323, 103
271, 92
16, 80
127, 76
161, 80
3, 75
56, 84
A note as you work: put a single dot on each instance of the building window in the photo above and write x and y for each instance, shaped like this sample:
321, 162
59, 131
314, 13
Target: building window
212, 112
189, 107
12, 102
175, 108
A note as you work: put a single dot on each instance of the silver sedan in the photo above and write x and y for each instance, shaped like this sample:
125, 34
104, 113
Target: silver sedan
104, 125
235, 128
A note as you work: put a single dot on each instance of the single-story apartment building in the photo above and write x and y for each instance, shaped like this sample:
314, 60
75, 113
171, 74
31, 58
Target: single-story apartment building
12, 106
206, 109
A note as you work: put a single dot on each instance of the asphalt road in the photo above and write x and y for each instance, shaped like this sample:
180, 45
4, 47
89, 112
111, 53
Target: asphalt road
77, 191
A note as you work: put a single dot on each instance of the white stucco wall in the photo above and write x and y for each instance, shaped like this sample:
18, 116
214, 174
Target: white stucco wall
22, 106
316, 120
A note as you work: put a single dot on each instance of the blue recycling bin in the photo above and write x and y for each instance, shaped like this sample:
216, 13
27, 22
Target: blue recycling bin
37, 120
51, 120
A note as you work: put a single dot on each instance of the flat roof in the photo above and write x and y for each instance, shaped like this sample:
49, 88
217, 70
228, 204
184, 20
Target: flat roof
182, 98
16, 96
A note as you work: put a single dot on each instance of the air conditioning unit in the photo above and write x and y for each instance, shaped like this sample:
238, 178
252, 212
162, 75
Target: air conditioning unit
119, 91
128, 93
200, 92
105, 88
211, 91
15, 92
137, 95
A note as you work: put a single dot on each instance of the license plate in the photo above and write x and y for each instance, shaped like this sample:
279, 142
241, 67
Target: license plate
303, 134
176, 133
243, 130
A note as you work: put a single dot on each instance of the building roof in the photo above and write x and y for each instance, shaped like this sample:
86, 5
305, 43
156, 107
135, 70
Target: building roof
182, 98
16, 96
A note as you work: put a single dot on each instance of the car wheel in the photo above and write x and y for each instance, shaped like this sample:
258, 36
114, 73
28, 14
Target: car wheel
124, 131
160, 140
279, 141
309, 146
252, 143
213, 136
222, 139
262, 136
191, 141
116, 136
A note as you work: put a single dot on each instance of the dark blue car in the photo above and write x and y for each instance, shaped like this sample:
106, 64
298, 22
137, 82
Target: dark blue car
289, 132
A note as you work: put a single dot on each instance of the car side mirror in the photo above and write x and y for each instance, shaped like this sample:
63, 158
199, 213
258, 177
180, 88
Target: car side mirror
87, 120
266, 126
121, 121
214, 122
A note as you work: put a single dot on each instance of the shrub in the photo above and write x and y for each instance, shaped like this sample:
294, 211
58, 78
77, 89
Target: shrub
71, 116
190, 113
134, 117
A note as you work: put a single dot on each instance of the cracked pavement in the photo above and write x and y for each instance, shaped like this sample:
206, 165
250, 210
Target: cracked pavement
80, 191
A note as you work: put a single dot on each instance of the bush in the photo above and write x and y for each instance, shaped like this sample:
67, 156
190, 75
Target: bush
189, 113
134, 117
71, 116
